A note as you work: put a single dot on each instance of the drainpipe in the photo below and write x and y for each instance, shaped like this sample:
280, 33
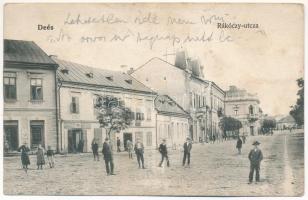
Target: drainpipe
57, 110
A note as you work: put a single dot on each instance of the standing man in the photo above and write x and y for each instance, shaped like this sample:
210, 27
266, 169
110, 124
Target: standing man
139, 150
239, 145
118, 144
95, 150
187, 148
107, 152
164, 153
255, 156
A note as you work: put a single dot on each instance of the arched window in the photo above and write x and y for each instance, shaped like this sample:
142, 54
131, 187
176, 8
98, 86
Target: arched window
251, 109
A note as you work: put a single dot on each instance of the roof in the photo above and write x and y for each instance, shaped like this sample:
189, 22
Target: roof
287, 119
165, 105
77, 73
22, 51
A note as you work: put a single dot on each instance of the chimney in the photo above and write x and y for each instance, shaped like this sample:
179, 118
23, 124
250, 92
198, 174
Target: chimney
232, 88
130, 71
53, 56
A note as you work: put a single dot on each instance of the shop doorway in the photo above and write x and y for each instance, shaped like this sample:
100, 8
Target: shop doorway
75, 141
10, 139
252, 132
127, 136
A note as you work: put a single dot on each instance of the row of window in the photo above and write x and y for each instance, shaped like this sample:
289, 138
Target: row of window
11, 135
138, 115
236, 109
173, 131
197, 101
10, 89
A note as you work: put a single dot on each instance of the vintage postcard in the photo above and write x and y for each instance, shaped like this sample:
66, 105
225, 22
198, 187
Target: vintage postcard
154, 99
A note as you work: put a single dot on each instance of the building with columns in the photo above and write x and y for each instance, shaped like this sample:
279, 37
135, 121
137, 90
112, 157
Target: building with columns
245, 107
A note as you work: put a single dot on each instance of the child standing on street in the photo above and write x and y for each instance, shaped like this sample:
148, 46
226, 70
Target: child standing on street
51, 157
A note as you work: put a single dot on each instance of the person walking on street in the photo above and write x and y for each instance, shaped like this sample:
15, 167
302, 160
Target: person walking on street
164, 153
244, 139
95, 150
118, 144
139, 150
187, 148
239, 144
25, 161
255, 157
40, 157
108, 157
129, 145
50, 157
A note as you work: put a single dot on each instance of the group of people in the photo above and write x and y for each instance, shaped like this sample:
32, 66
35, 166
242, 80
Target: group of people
40, 156
139, 151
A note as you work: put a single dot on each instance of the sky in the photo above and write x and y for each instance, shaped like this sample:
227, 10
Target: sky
265, 59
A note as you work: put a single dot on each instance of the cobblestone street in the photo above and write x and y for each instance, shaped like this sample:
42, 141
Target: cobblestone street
216, 169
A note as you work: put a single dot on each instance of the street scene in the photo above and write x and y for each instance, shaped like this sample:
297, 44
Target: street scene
281, 174
153, 99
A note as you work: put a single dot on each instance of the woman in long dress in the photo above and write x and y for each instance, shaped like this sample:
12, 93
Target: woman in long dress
25, 161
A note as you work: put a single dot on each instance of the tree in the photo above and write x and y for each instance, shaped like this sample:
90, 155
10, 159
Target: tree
230, 124
112, 114
268, 124
297, 111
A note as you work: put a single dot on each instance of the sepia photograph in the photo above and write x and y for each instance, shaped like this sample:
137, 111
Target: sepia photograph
153, 99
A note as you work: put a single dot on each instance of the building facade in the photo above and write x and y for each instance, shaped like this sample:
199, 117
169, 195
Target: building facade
172, 122
184, 82
80, 86
245, 107
30, 104
286, 122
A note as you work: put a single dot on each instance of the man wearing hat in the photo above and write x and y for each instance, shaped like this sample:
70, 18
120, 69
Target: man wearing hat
164, 153
187, 147
255, 156
108, 157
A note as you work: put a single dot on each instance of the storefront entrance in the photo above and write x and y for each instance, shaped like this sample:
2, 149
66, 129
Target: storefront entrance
127, 136
76, 141
10, 140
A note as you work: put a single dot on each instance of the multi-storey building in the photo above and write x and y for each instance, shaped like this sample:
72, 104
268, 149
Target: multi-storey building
245, 107
80, 86
29, 86
172, 122
184, 82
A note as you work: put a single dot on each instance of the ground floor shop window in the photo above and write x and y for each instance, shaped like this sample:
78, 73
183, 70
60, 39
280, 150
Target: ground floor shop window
10, 137
37, 133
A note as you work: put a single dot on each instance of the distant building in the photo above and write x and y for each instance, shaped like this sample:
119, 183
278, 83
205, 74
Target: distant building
78, 92
184, 82
172, 122
286, 122
29, 91
245, 107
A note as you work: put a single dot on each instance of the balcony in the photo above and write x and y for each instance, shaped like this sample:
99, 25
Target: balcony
252, 117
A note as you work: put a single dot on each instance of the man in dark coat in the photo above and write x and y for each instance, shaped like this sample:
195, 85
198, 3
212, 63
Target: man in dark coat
187, 148
255, 156
139, 150
118, 144
164, 153
239, 145
95, 150
107, 152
